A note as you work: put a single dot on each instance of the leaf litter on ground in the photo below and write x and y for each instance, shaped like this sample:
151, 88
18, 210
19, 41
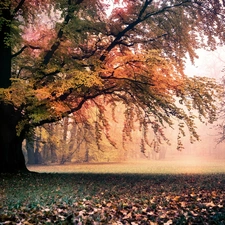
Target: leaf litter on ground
47, 198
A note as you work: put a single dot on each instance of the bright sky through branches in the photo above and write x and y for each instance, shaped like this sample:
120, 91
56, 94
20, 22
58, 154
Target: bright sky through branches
112, 4
209, 64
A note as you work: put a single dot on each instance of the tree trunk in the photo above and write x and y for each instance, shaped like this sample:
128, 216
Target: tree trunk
5, 49
11, 155
37, 153
30, 151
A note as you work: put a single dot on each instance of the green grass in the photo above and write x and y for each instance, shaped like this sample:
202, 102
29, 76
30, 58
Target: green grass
120, 197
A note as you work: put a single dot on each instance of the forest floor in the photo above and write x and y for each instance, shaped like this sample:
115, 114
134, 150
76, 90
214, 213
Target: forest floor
116, 193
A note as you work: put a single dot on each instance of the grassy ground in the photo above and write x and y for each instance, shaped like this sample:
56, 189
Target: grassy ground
185, 165
116, 194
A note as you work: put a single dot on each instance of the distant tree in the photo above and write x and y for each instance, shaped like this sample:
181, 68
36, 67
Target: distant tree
55, 142
69, 140
30, 150
134, 55
72, 138
221, 124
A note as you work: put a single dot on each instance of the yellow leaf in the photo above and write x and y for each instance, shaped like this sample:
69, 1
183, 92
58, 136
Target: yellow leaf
176, 198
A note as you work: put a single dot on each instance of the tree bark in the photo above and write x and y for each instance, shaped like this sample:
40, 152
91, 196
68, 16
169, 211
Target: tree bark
11, 155
5, 49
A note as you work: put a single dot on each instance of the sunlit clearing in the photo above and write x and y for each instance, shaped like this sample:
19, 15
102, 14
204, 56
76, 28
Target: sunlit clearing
186, 165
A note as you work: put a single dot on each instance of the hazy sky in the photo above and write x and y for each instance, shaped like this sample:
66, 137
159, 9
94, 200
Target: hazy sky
208, 64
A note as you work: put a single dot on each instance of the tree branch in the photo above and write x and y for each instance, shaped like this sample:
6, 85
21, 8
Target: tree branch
84, 99
23, 48
56, 45
19, 6
166, 8
132, 25
129, 80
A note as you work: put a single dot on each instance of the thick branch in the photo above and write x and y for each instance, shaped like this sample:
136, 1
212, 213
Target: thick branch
146, 4
118, 37
139, 20
56, 45
19, 6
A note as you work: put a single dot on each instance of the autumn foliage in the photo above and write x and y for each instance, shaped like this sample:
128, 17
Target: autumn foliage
66, 54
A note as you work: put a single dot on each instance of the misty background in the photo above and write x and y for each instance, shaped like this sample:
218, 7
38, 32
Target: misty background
69, 141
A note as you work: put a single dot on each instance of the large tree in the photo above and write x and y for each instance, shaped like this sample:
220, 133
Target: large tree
57, 56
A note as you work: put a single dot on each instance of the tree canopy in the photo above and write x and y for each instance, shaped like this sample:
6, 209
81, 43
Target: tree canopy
67, 53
